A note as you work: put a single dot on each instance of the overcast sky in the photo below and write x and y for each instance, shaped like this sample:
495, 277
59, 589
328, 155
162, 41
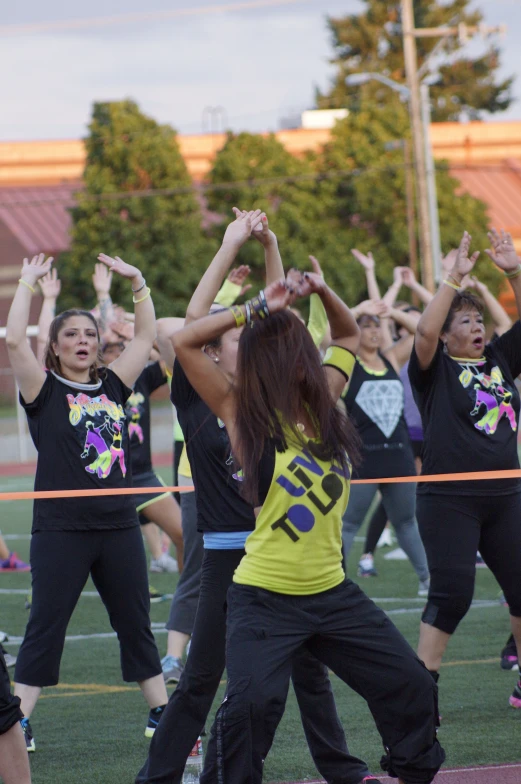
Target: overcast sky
260, 65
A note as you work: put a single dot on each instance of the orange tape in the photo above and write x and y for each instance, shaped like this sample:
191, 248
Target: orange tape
463, 477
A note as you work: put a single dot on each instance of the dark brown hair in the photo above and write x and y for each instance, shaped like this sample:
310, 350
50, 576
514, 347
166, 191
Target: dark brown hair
279, 371
463, 300
52, 362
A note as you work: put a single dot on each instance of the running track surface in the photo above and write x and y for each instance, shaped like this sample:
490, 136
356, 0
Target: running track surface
489, 774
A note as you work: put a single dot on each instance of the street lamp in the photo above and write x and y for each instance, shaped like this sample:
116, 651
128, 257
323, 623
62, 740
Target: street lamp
354, 80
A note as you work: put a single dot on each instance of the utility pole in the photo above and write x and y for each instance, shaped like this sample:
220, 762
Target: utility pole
427, 218
411, 74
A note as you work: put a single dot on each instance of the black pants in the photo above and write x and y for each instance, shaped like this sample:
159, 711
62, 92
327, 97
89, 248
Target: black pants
191, 701
355, 639
176, 458
10, 711
453, 529
61, 562
376, 528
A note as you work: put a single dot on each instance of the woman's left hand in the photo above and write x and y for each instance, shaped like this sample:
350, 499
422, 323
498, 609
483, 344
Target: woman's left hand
120, 267
279, 295
503, 253
307, 283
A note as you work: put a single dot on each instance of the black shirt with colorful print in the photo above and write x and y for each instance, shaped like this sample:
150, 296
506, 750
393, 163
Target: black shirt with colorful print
137, 409
375, 402
80, 433
220, 505
470, 414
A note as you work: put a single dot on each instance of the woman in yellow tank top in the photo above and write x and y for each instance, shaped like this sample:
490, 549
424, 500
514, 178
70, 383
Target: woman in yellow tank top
294, 447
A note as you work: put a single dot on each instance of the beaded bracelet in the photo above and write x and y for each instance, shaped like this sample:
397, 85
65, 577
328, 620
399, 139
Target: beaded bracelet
142, 299
513, 274
28, 285
452, 285
240, 318
136, 291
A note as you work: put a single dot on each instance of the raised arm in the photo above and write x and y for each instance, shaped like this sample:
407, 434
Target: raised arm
28, 372
498, 314
129, 365
237, 233
272, 259
409, 279
102, 281
234, 286
398, 353
504, 256
317, 322
50, 286
434, 315
367, 262
394, 289
166, 329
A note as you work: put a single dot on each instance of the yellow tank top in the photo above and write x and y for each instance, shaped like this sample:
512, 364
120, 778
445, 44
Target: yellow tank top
296, 545
184, 464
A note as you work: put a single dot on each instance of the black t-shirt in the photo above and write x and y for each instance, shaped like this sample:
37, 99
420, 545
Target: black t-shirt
80, 432
375, 402
470, 414
137, 409
220, 506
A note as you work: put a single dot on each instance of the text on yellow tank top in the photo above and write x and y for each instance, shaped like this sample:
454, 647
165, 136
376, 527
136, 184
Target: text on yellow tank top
296, 545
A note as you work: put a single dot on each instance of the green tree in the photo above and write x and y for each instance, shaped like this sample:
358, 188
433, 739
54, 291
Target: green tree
160, 234
372, 41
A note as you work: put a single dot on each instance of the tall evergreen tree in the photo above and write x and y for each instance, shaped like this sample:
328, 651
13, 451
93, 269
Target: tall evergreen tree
372, 41
160, 234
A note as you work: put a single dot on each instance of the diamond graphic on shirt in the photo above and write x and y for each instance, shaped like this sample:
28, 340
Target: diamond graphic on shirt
382, 401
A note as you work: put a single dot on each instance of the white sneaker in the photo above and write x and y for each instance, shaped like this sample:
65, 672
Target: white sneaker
165, 563
396, 555
386, 539
423, 587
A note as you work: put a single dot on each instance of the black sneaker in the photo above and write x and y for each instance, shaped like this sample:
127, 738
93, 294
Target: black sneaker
509, 660
29, 740
153, 720
155, 595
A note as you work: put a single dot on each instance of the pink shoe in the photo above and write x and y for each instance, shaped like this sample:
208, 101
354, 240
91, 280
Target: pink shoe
14, 564
515, 699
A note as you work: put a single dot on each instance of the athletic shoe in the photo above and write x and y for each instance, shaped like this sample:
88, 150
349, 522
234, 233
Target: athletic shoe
515, 699
155, 595
509, 660
153, 720
396, 555
165, 563
371, 778
480, 563
10, 660
172, 669
3, 637
366, 566
14, 564
423, 587
386, 539
29, 740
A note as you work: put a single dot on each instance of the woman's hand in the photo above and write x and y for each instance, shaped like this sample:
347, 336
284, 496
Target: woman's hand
240, 230
120, 267
50, 285
280, 295
238, 276
102, 281
36, 269
463, 264
503, 253
365, 259
307, 283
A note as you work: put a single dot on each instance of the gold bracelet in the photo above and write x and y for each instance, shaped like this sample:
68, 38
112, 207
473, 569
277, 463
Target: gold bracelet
513, 274
142, 299
240, 318
24, 283
452, 285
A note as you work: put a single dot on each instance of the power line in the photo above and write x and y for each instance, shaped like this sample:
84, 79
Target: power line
141, 16
151, 193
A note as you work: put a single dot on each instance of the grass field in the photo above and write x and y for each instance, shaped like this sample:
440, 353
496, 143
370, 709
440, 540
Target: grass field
90, 728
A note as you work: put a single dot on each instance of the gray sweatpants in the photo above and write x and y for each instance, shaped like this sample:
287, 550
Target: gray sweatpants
186, 596
400, 504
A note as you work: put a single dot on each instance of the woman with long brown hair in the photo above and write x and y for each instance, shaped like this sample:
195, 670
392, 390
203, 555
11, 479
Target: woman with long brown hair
75, 410
294, 448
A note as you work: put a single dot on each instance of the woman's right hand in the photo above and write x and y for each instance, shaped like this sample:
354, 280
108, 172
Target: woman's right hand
280, 295
35, 269
463, 264
365, 259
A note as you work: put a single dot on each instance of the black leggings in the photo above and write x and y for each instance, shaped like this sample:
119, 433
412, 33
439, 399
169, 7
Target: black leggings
61, 562
453, 529
351, 636
190, 703
10, 711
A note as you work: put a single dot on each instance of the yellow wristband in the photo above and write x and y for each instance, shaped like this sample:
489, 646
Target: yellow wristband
452, 285
28, 285
141, 299
240, 318
341, 359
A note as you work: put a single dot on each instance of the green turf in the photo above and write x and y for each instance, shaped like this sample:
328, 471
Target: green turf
91, 736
